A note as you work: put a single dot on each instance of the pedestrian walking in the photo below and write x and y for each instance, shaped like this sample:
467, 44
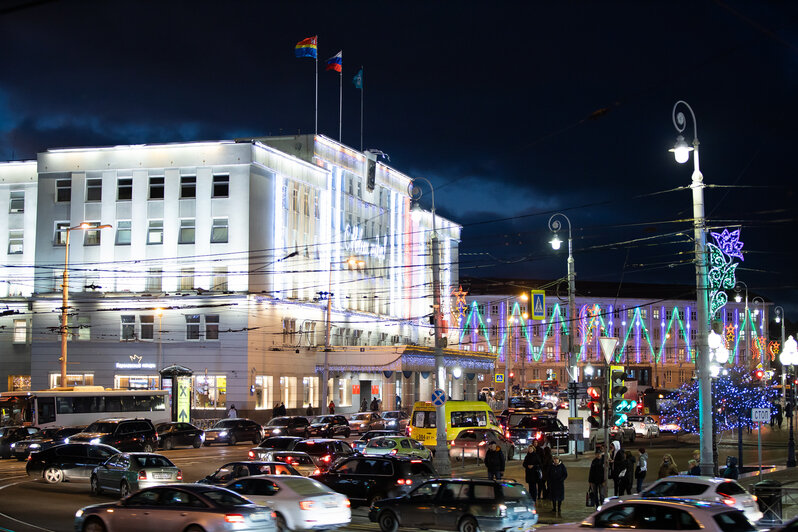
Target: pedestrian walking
545, 466
275, 410
374, 405
667, 467
331, 407
693, 468
595, 479
731, 471
532, 471
364, 405
494, 461
556, 484
641, 469
309, 411
617, 467
542, 481
282, 409
232, 412
629, 475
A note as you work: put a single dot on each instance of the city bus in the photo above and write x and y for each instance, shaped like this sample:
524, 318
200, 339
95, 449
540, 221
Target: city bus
460, 415
81, 405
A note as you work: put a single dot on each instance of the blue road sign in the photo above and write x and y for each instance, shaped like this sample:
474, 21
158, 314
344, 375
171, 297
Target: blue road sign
538, 304
438, 397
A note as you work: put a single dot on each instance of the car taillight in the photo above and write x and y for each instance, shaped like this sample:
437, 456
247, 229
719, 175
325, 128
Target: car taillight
754, 497
729, 501
251, 455
316, 471
405, 482
179, 475
142, 475
306, 505
156, 435
507, 434
326, 458
393, 452
347, 503
482, 443
233, 518
538, 435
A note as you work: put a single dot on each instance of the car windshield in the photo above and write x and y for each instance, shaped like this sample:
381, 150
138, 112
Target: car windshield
151, 461
381, 443
311, 447
101, 427
163, 427
306, 486
275, 443
278, 422
514, 491
225, 498
730, 488
544, 424
390, 415
225, 424
293, 459
322, 419
359, 416
734, 522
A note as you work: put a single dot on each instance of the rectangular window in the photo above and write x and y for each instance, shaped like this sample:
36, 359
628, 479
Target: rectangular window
94, 190
655, 313
211, 326
264, 388
692, 335
219, 280
91, 237
124, 189
221, 186
155, 280
155, 232
316, 212
288, 390
187, 231
59, 239
17, 201
156, 188
123, 233
20, 331
310, 392
192, 327
186, 278
15, 242
80, 328
210, 391
63, 190
147, 326
219, 231
644, 313
188, 186
128, 327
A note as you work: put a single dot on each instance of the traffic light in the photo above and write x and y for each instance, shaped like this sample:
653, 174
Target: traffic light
620, 406
594, 406
759, 375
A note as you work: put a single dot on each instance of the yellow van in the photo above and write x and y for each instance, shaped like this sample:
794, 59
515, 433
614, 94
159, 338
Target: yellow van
460, 415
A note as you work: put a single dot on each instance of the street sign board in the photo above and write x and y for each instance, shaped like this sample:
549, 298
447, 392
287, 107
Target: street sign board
538, 304
183, 399
760, 415
499, 377
576, 427
438, 397
608, 344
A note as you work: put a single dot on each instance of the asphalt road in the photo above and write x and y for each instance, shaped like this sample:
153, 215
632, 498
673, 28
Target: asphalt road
31, 505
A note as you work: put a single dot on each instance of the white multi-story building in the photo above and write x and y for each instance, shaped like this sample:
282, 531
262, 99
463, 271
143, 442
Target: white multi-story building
220, 257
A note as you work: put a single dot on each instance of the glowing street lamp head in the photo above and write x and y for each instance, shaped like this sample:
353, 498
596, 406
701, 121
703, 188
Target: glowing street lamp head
555, 242
681, 150
85, 225
524, 297
738, 298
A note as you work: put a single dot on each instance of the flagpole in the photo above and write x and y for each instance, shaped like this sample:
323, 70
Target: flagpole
361, 107
316, 112
340, 99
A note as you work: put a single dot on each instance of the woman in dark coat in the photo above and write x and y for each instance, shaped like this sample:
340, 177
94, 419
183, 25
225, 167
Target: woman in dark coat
556, 485
541, 481
545, 465
630, 473
532, 471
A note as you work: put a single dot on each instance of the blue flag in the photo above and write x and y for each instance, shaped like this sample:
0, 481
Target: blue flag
358, 79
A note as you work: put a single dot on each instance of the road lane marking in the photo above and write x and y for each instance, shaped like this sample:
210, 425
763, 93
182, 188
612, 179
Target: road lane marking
14, 518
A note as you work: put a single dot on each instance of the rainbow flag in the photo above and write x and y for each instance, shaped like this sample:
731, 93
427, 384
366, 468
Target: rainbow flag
336, 62
306, 47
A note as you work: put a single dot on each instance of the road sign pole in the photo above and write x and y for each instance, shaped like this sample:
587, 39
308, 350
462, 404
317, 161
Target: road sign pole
759, 446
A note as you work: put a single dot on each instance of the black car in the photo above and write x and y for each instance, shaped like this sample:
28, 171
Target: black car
359, 444
43, 440
233, 470
12, 434
124, 434
286, 426
328, 427
170, 435
542, 429
275, 443
458, 504
324, 451
365, 478
68, 461
233, 430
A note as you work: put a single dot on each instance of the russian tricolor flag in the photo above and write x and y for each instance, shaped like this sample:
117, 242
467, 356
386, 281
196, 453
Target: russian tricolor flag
336, 62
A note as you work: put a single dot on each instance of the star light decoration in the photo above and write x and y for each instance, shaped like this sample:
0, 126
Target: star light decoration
722, 267
731, 332
774, 348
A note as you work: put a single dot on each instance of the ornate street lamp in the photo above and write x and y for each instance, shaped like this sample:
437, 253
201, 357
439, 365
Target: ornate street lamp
789, 357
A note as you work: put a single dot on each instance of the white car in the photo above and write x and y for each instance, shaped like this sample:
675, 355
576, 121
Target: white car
711, 489
299, 503
644, 426
660, 514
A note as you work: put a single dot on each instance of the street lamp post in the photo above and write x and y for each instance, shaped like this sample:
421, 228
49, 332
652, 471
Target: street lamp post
779, 311
789, 357
681, 152
555, 225
65, 296
441, 458
607, 344
159, 313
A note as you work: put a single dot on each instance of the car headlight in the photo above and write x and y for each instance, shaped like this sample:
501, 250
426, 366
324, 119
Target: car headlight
13, 446
223, 434
79, 513
202, 436
276, 431
502, 510
94, 440
66, 440
34, 446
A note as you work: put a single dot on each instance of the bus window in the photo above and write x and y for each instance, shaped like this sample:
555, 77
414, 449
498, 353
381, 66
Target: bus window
424, 419
469, 419
46, 409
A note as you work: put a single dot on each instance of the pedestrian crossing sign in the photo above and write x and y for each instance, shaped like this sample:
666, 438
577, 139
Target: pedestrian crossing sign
538, 304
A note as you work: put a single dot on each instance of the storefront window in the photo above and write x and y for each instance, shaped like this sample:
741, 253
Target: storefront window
210, 391
86, 379
264, 388
18, 383
136, 382
288, 391
310, 391
344, 392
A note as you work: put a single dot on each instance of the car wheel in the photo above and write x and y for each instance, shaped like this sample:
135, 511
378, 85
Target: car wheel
124, 490
93, 524
387, 521
233, 440
149, 447
207, 444
168, 444
468, 524
347, 433
197, 442
279, 522
95, 486
194, 528
53, 475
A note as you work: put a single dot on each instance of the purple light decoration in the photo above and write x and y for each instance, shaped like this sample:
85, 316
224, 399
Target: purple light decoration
663, 352
558, 333
475, 327
637, 336
737, 331
729, 243
688, 357
502, 325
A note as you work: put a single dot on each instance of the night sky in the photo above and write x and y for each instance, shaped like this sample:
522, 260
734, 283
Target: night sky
514, 110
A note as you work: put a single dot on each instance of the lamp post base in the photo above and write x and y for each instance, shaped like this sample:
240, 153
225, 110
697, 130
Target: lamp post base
791, 447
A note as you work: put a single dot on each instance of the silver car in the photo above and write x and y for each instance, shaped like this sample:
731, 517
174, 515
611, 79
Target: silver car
177, 508
365, 421
302, 462
127, 472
